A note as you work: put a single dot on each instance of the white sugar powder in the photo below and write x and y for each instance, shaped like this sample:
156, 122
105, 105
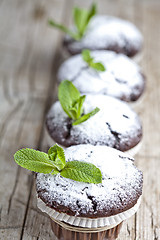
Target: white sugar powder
107, 31
122, 77
121, 180
115, 122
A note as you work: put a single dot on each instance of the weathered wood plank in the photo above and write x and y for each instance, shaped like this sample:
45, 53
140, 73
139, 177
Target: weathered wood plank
150, 110
28, 47
35, 217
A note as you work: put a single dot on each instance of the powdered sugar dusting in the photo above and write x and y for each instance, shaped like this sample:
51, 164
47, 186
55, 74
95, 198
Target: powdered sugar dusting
122, 79
107, 32
115, 125
120, 189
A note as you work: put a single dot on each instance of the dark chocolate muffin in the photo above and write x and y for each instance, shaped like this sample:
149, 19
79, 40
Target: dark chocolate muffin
115, 125
92, 206
107, 33
122, 77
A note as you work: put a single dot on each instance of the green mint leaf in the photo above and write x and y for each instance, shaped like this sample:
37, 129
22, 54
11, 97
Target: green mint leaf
82, 172
92, 12
56, 154
33, 160
98, 66
54, 172
68, 94
86, 116
63, 29
82, 18
78, 105
73, 113
86, 55
77, 109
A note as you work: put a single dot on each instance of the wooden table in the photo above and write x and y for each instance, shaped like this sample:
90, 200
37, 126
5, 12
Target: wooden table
29, 57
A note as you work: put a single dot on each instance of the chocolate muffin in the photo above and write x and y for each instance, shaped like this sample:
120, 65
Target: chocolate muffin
107, 33
122, 77
78, 209
115, 125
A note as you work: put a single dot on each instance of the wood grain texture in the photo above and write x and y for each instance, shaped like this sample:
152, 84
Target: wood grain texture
30, 53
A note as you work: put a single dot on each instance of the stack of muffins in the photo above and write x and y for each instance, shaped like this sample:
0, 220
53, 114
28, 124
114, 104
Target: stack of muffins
110, 81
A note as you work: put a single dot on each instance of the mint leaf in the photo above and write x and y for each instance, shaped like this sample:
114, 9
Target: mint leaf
86, 116
56, 154
86, 55
98, 66
33, 160
68, 94
82, 18
92, 12
55, 172
78, 106
63, 29
82, 172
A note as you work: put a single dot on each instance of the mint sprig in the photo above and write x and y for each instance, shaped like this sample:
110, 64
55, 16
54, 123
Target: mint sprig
85, 117
64, 29
54, 162
72, 102
81, 19
82, 172
34, 160
56, 154
86, 55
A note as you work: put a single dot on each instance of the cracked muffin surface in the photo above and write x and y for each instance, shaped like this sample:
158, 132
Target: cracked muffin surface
115, 125
122, 77
119, 191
